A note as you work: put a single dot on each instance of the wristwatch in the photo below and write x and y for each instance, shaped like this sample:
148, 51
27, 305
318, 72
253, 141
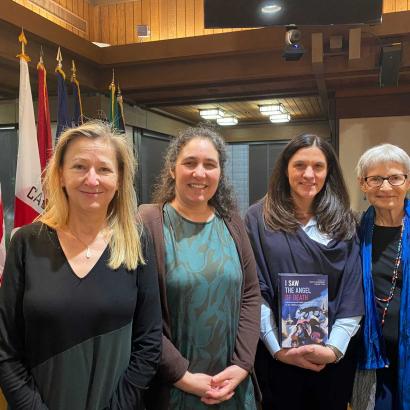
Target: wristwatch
339, 355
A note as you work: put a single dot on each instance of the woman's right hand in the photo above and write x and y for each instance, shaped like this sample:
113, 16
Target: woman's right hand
194, 383
296, 356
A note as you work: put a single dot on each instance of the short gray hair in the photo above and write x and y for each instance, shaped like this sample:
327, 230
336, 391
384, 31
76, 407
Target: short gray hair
380, 154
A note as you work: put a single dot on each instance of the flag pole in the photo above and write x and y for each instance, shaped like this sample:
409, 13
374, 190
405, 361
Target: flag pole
23, 41
59, 60
29, 198
77, 96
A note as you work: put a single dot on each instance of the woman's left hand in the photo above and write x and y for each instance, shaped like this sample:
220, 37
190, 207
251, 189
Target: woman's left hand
224, 385
321, 355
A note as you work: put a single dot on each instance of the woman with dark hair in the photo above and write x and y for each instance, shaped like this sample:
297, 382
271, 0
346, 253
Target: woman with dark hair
208, 282
304, 225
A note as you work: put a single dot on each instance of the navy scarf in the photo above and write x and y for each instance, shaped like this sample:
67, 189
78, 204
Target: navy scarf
374, 356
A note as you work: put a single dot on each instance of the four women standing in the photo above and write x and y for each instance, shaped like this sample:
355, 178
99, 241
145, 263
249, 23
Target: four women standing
79, 306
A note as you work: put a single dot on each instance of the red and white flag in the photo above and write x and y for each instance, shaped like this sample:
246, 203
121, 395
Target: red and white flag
29, 199
45, 147
2, 239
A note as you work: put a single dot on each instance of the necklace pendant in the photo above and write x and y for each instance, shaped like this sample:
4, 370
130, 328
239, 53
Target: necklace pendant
88, 253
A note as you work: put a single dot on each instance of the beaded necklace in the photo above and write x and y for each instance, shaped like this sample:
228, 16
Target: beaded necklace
397, 261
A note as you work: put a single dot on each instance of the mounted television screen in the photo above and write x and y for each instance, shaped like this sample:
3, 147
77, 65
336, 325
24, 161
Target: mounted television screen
257, 13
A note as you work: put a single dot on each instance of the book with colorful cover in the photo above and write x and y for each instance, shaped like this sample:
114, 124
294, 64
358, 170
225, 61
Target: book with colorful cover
303, 309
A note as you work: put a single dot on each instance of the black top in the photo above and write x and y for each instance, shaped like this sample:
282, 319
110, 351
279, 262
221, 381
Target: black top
72, 343
384, 245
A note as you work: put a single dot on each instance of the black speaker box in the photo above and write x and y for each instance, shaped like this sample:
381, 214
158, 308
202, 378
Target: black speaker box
390, 61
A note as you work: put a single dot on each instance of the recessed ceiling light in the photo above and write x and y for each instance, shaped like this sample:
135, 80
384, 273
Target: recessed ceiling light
232, 120
269, 109
211, 113
279, 118
271, 8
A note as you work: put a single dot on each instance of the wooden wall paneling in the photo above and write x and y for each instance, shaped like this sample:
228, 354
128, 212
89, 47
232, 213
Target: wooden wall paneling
75, 11
163, 19
95, 23
181, 19
69, 5
389, 6
199, 17
112, 26
105, 24
121, 23
137, 6
63, 3
401, 5
155, 21
129, 23
80, 5
190, 17
87, 18
172, 18
149, 9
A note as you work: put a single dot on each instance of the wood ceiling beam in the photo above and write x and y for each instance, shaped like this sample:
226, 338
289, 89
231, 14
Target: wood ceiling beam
237, 64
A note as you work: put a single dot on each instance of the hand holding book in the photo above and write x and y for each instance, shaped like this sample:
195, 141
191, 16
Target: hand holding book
321, 355
301, 357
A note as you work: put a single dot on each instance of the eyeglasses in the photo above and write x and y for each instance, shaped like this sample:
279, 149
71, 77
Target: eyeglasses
393, 180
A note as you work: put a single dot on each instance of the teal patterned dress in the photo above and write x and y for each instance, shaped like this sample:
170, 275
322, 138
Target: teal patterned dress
204, 279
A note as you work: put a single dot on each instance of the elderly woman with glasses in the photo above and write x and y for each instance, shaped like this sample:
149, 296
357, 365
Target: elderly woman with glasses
385, 232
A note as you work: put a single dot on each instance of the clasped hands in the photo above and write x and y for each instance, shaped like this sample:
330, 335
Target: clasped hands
312, 357
213, 389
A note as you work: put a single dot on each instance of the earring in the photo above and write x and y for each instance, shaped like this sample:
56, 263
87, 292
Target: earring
364, 197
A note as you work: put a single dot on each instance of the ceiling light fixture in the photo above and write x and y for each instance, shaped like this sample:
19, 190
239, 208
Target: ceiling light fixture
271, 109
231, 120
101, 45
278, 118
271, 8
211, 114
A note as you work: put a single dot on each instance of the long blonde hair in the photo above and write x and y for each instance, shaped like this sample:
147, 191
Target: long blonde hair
125, 243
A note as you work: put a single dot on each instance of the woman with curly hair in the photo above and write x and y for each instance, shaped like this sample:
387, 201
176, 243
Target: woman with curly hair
208, 282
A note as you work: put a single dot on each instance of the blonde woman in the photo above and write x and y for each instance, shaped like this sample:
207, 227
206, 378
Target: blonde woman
80, 320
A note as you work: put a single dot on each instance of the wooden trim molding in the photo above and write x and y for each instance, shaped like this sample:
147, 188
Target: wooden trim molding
62, 13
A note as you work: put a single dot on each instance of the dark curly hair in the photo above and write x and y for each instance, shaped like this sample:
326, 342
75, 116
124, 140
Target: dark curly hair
331, 206
164, 191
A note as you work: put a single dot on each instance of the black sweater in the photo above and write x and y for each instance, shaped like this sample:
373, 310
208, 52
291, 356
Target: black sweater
69, 343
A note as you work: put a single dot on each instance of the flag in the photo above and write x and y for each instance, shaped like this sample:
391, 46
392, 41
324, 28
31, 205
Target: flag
45, 146
29, 199
120, 104
113, 110
63, 120
2, 238
77, 106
